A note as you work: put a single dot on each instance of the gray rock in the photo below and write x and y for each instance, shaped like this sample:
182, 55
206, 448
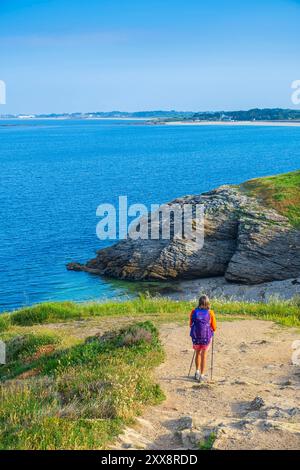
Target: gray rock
191, 438
244, 241
186, 422
187, 438
197, 423
256, 404
218, 287
276, 413
255, 415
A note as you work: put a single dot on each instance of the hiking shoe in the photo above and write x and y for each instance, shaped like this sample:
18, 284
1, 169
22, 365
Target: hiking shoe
202, 378
197, 376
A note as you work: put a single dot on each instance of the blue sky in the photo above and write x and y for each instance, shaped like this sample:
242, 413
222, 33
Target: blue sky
75, 55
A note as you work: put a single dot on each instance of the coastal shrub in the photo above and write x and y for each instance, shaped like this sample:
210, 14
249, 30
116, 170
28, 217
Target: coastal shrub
82, 396
280, 192
20, 347
30, 419
27, 351
135, 337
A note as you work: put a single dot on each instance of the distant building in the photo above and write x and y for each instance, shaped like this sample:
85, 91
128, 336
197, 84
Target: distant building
26, 116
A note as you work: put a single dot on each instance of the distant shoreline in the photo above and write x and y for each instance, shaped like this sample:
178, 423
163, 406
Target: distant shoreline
234, 123
154, 121
75, 119
253, 117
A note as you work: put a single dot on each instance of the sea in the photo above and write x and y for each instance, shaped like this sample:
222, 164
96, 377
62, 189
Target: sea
55, 173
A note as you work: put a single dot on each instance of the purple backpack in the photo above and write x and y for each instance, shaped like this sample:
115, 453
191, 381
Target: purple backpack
201, 332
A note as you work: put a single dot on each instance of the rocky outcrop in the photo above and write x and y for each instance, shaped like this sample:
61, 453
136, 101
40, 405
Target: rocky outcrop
219, 288
244, 241
226, 433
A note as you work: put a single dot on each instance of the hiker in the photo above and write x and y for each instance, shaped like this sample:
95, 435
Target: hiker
203, 325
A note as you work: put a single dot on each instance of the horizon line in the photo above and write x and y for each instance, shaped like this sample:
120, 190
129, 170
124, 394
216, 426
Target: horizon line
149, 111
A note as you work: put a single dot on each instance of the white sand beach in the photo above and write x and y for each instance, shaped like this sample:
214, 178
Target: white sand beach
235, 123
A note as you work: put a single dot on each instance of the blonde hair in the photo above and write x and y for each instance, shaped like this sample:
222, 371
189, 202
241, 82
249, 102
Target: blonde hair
204, 302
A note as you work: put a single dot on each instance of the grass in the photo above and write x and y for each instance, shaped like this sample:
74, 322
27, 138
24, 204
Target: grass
280, 192
157, 309
60, 391
25, 350
80, 397
208, 443
22, 347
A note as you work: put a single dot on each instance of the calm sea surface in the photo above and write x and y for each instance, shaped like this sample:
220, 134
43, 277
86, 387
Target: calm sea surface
54, 174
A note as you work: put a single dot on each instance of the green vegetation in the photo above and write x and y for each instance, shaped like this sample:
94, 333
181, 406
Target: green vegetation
208, 443
23, 350
79, 397
267, 114
156, 309
280, 192
64, 390
256, 114
22, 347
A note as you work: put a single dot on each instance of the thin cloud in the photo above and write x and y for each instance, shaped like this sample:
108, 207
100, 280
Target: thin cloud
46, 40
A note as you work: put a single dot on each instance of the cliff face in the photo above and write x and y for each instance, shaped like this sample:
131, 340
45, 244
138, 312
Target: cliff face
244, 241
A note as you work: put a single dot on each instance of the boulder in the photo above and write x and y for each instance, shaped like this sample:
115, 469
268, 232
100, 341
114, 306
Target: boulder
243, 241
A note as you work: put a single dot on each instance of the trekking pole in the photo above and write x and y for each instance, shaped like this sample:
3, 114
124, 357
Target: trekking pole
212, 358
191, 363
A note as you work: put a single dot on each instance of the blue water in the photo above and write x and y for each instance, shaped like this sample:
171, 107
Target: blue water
54, 174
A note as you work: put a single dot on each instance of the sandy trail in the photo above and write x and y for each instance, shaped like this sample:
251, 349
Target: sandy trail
252, 358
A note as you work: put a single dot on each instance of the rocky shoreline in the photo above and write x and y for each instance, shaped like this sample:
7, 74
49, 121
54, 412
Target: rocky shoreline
246, 243
219, 288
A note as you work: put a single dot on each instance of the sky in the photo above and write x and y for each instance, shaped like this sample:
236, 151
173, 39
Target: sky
100, 55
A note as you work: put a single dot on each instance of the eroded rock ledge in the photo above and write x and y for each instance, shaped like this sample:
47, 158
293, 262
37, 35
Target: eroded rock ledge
244, 241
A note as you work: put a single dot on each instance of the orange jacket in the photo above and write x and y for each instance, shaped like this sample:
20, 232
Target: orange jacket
213, 322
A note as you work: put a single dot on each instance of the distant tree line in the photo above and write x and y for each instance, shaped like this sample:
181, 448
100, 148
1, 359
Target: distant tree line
276, 114
273, 114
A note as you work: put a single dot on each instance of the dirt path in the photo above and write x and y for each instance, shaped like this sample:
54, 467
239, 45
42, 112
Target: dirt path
252, 359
